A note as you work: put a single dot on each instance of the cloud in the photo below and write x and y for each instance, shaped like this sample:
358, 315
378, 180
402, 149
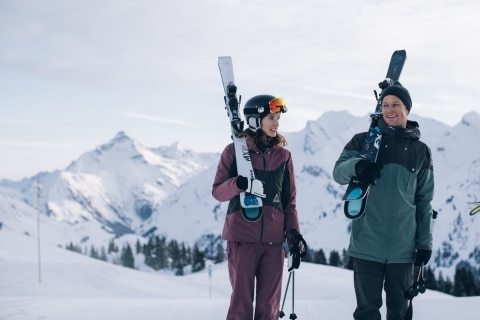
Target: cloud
34, 144
154, 118
70, 63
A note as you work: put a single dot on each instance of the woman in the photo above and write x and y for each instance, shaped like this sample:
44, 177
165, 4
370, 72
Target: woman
255, 246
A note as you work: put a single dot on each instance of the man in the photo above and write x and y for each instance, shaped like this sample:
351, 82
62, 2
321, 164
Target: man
396, 227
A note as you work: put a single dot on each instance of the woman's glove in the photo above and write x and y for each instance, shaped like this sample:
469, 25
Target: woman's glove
297, 251
253, 186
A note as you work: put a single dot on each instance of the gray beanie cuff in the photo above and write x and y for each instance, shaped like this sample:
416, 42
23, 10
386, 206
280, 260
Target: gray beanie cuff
399, 91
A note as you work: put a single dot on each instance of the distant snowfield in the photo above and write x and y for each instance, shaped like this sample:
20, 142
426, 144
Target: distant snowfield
75, 287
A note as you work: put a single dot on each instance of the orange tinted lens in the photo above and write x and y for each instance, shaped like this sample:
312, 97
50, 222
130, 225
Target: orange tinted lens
277, 105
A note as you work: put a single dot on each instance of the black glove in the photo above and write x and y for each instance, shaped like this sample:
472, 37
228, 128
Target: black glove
422, 256
368, 171
242, 183
296, 253
253, 186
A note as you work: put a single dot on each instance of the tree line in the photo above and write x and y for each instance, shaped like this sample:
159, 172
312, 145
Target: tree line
157, 253
160, 254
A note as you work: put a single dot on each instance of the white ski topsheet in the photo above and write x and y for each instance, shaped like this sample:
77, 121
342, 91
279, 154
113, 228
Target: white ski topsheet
226, 71
242, 156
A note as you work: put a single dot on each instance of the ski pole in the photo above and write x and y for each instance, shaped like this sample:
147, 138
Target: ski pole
293, 316
282, 314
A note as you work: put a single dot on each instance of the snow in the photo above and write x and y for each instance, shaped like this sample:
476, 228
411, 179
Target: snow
72, 286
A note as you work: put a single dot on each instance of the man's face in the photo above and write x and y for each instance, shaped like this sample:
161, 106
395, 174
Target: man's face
394, 111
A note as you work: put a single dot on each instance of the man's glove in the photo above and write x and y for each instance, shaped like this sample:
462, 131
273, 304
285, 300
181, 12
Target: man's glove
253, 186
422, 256
368, 171
296, 251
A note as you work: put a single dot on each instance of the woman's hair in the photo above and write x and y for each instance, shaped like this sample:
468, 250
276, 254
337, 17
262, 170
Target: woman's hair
262, 141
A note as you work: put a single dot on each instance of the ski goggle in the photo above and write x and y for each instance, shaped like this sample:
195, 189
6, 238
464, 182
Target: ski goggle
277, 105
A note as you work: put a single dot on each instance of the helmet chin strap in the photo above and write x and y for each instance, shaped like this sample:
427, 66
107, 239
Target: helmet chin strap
254, 124
258, 122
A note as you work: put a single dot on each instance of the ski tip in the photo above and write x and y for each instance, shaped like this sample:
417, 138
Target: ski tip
355, 209
224, 58
399, 55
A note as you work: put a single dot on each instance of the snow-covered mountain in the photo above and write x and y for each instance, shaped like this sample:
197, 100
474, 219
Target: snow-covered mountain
122, 187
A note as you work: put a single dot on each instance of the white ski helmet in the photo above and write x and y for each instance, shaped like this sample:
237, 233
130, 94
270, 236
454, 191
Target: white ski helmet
257, 107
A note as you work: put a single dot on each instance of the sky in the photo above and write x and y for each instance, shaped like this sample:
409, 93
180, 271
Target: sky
75, 73
68, 285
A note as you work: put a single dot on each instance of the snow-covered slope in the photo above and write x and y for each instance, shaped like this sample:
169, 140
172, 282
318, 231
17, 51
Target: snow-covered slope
72, 286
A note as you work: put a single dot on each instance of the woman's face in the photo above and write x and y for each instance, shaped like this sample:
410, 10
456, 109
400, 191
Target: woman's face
269, 124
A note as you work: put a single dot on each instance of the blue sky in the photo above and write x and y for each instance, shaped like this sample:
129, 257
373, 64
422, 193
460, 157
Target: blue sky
74, 73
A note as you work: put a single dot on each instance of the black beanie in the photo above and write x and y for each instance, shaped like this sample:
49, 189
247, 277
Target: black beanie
399, 91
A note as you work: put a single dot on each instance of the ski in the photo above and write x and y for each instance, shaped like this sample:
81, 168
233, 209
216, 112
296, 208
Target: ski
251, 204
357, 191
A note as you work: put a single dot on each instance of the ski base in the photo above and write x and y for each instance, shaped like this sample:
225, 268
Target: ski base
355, 209
355, 198
357, 190
251, 214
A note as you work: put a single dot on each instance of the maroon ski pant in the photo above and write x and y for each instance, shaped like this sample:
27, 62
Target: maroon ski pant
250, 262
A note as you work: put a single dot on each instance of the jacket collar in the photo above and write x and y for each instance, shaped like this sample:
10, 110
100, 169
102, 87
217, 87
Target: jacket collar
412, 131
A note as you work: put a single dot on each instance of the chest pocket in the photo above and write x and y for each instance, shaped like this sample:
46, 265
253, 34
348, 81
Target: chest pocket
409, 157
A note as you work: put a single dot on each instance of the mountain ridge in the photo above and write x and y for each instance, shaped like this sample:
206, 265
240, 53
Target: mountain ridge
122, 187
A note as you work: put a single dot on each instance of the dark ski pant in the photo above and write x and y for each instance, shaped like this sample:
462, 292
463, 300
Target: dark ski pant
369, 277
248, 262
